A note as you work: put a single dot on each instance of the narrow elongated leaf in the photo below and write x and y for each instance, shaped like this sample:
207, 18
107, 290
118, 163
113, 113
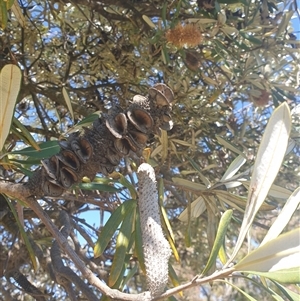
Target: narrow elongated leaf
24, 236
47, 149
164, 143
197, 208
223, 225
128, 185
68, 102
18, 13
284, 217
222, 254
284, 23
156, 151
277, 255
10, 82
174, 278
139, 242
188, 184
201, 20
182, 142
122, 244
25, 134
97, 186
112, 225
283, 276
275, 191
165, 220
84, 122
240, 201
268, 161
9, 3
202, 177
3, 14
130, 274
279, 192
238, 289
148, 21
291, 295
234, 167
229, 146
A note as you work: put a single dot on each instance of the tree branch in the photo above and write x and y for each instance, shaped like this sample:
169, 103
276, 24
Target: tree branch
20, 192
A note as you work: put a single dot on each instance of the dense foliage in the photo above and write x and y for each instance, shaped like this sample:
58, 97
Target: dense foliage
229, 64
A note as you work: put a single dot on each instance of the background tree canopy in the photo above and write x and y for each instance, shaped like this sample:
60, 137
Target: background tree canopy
230, 63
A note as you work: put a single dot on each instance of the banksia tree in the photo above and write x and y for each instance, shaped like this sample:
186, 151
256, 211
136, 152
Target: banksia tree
155, 246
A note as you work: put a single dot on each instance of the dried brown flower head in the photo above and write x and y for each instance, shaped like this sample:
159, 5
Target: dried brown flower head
263, 99
184, 35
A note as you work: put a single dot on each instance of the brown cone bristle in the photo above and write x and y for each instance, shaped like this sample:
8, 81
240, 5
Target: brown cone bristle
184, 35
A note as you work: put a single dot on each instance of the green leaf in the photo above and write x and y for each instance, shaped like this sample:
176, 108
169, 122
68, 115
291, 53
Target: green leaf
229, 146
122, 244
10, 82
25, 171
97, 186
48, 149
268, 161
68, 102
174, 278
187, 236
25, 134
234, 167
148, 21
164, 142
188, 184
238, 289
223, 225
291, 295
24, 235
84, 122
19, 15
3, 14
133, 270
9, 3
197, 208
165, 54
284, 22
222, 254
279, 192
250, 38
202, 177
164, 13
233, 2
284, 216
128, 185
112, 225
165, 220
118, 284
139, 242
284, 95
284, 276
29, 161
278, 259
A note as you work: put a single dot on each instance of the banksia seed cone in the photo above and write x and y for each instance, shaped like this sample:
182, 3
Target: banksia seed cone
155, 246
101, 147
184, 35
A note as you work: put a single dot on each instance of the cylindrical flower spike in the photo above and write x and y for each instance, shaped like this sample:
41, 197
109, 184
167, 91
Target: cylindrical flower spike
155, 246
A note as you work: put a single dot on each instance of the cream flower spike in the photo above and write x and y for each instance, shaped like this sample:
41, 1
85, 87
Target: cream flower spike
155, 246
